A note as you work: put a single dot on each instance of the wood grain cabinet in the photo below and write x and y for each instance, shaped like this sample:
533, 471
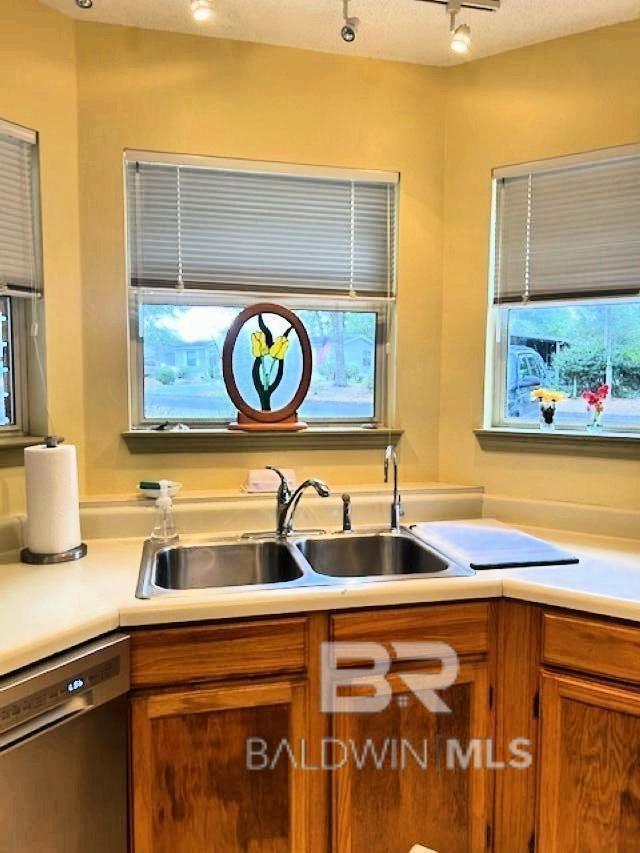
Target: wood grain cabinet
589, 780
202, 694
195, 788
406, 781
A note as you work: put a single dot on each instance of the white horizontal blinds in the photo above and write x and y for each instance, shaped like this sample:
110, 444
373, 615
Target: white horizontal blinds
215, 228
373, 237
19, 260
153, 224
570, 232
512, 280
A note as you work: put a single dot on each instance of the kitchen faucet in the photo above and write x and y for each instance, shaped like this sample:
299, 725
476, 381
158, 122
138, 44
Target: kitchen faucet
396, 507
287, 501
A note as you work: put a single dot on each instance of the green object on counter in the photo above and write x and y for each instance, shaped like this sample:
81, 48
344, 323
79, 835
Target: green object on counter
148, 484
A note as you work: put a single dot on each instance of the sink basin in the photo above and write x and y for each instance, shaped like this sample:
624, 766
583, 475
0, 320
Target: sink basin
224, 565
376, 556
317, 560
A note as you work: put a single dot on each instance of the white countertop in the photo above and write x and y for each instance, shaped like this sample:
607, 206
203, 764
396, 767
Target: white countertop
46, 609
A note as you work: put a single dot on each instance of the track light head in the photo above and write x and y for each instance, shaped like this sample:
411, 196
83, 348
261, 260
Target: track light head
350, 27
461, 39
201, 10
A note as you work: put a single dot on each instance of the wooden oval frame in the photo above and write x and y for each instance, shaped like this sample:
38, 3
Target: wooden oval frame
288, 411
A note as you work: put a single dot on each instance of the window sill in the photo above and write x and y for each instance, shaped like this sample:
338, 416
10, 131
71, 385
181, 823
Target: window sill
12, 449
222, 440
611, 445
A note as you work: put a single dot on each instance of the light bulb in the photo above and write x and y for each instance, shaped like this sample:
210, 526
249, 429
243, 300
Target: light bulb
201, 9
461, 39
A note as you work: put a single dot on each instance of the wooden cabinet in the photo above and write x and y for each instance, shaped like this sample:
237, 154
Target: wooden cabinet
518, 672
602, 647
403, 780
589, 791
194, 785
409, 775
247, 648
204, 694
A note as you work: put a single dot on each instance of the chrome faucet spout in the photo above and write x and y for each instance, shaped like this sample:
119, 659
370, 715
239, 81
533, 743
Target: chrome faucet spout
390, 456
287, 501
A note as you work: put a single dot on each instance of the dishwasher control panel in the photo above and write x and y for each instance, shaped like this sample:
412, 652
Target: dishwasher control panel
100, 668
51, 697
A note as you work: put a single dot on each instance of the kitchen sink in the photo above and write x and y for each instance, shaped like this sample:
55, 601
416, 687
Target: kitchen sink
376, 556
225, 564
278, 563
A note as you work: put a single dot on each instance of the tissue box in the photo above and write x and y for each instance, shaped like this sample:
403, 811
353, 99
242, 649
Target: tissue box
263, 480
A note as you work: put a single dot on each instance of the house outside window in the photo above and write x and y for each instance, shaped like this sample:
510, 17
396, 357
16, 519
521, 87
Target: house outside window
207, 237
564, 309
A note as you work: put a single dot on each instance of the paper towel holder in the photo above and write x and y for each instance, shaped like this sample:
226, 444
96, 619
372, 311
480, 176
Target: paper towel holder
29, 556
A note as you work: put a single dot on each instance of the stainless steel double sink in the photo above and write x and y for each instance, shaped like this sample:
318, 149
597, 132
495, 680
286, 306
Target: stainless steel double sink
299, 560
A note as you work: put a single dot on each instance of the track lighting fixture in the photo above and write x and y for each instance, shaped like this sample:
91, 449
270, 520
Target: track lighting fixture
349, 29
461, 39
201, 9
461, 34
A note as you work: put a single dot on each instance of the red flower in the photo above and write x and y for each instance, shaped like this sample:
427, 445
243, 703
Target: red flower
596, 398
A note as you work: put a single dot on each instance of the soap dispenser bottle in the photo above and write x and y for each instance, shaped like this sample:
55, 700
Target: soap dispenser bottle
164, 529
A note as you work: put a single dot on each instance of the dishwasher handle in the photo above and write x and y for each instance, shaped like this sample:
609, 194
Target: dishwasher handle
40, 724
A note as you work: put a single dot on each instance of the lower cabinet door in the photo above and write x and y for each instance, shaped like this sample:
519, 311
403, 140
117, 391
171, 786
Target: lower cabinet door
408, 776
211, 770
589, 783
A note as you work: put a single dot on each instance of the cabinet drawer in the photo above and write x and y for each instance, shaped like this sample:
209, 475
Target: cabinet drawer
215, 652
465, 627
592, 645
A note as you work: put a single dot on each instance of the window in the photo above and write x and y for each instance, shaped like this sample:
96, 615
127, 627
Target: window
20, 277
565, 307
207, 237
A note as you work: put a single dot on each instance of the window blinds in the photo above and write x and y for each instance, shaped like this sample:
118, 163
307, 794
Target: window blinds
569, 233
216, 228
19, 258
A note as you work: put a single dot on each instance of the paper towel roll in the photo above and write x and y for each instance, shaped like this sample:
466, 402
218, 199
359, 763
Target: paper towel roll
53, 510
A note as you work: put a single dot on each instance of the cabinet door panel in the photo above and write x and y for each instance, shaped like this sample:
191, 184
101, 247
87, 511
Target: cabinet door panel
589, 798
192, 788
391, 804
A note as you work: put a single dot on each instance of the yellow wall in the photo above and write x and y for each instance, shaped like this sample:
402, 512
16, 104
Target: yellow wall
38, 89
572, 94
443, 130
168, 92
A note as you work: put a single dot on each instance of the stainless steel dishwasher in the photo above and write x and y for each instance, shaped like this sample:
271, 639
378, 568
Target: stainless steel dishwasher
63, 752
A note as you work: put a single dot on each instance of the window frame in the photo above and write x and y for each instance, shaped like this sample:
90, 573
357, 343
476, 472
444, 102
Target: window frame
385, 306
17, 337
498, 419
26, 311
497, 331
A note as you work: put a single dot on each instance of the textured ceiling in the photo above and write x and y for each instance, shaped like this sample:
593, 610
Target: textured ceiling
392, 29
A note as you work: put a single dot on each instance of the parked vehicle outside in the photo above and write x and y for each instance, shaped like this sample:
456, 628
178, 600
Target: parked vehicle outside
526, 370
